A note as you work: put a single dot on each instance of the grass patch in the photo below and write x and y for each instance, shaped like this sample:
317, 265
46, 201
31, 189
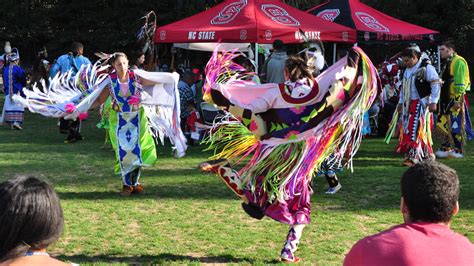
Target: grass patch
187, 217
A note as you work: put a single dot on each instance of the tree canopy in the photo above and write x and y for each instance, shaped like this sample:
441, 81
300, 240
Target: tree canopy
111, 25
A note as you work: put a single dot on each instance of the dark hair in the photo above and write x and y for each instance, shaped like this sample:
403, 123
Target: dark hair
30, 217
297, 68
188, 74
449, 44
430, 190
410, 52
75, 46
278, 45
137, 55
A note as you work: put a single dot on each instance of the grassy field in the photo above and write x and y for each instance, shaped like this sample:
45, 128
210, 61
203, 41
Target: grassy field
188, 217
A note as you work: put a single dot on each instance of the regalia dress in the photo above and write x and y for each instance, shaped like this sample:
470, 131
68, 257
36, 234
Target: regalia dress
137, 113
275, 136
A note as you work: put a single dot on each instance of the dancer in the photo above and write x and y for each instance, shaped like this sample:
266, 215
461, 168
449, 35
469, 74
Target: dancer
329, 168
14, 80
287, 130
454, 124
316, 64
418, 99
140, 100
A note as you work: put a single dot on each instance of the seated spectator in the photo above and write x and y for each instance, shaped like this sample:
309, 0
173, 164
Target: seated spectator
186, 96
249, 67
193, 132
430, 192
31, 219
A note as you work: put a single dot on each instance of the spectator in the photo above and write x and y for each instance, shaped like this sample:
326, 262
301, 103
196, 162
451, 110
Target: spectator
186, 96
390, 90
193, 131
139, 61
72, 61
250, 68
198, 83
453, 125
274, 67
40, 70
164, 68
31, 219
430, 192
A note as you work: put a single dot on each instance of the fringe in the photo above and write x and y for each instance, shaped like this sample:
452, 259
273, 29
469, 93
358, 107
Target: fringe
287, 165
63, 89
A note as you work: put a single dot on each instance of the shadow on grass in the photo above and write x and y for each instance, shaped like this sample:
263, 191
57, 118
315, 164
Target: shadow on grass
156, 192
159, 259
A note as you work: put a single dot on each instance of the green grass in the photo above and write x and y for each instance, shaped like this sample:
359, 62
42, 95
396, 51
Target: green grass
188, 217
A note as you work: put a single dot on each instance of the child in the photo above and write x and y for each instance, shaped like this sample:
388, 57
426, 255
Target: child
191, 129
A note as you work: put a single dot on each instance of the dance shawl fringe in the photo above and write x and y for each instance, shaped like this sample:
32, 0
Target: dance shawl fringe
288, 164
82, 90
423, 135
63, 89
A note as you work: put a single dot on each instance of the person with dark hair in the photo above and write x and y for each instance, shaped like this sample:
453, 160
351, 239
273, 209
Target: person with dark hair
274, 67
41, 70
430, 192
252, 76
419, 95
142, 103
72, 61
128, 124
186, 96
14, 80
31, 219
139, 61
284, 132
454, 124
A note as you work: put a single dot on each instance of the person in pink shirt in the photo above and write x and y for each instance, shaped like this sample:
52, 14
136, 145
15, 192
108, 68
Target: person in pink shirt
430, 192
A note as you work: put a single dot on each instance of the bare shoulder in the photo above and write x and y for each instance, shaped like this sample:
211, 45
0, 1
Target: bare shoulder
34, 260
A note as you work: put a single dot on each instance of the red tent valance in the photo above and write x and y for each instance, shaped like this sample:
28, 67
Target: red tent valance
371, 24
252, 21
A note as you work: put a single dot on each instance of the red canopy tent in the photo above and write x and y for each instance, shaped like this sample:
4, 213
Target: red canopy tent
371, 24
252, 21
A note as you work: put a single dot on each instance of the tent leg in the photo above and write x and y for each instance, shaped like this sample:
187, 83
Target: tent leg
439, 60
256, 58
334, 47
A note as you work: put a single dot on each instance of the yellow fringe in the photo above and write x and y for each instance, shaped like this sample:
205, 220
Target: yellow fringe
236, 147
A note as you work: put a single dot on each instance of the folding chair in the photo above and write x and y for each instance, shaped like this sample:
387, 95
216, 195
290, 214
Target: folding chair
209, 113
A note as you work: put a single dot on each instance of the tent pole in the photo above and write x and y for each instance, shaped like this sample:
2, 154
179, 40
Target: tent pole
334, 53
439, 60
256, 58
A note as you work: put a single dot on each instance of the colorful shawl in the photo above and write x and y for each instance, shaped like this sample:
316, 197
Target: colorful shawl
283, 139
69, 96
